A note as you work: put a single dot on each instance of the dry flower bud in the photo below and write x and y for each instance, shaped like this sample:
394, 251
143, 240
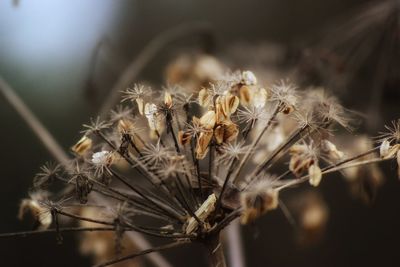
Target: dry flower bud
315, 174
41, 214
82, 146
168, 100
202, 213
257, 203
248, 78
208, 120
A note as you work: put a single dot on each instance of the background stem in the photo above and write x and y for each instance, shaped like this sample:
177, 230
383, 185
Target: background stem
215, 251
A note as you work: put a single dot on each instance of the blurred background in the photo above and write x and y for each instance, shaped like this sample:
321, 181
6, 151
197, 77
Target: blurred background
63, 57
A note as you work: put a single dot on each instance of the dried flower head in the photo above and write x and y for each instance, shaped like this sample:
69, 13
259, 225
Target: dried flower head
194, 168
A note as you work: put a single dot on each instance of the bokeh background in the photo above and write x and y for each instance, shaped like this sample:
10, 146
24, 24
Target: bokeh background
62, 57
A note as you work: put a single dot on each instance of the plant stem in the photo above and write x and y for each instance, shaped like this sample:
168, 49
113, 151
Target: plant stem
215, 251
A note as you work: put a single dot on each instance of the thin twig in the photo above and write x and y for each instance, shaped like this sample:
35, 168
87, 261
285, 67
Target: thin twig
147, 251
62, 230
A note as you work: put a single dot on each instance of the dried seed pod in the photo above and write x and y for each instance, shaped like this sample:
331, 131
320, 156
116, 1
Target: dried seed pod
231, 131
245, 95
260, 97
229, 104
315, 174
384, 148
257, 203
208, 120
140, 103
156, 123
82, 146
202, 144
219, 134
286, 109
204, 98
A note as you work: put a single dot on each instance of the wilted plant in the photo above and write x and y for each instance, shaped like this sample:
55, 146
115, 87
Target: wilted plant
190, 164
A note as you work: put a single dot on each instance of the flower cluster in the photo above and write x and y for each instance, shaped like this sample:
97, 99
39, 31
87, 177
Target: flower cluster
183, 166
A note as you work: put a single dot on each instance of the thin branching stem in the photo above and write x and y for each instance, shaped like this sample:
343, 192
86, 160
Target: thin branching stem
147, 251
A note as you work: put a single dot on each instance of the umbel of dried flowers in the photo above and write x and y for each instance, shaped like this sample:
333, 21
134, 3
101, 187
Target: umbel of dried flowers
182, 166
